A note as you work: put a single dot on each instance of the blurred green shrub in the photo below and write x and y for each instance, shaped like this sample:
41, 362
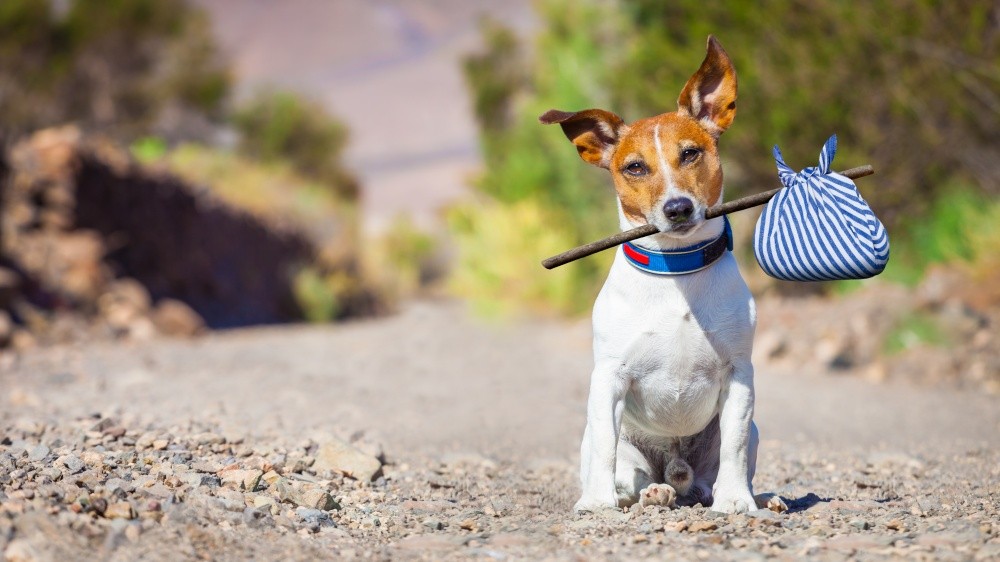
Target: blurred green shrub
540, 199
404, 259
276, 126
902, 89
122, 67
913, 330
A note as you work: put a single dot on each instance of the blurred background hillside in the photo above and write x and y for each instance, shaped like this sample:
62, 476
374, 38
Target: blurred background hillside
172, 165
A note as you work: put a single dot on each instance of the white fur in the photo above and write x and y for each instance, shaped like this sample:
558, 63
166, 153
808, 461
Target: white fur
670, 354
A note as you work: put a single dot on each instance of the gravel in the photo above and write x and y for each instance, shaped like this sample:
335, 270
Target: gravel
130, 500
162, 482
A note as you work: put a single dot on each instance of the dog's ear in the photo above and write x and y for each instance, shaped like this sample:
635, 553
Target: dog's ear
710, 95
595, 132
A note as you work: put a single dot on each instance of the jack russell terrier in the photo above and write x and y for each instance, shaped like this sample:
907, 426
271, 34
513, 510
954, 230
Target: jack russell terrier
670, 411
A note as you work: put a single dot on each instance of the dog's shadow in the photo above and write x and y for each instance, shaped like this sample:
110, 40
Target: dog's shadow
803, 503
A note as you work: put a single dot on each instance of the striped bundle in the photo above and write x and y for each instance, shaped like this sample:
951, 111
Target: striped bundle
819, 228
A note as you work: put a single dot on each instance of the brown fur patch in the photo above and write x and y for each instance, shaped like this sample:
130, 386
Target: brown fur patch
702, 178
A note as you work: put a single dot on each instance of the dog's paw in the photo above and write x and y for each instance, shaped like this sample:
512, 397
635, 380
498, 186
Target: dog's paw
592, 505
770, 501
733, 501
658, 494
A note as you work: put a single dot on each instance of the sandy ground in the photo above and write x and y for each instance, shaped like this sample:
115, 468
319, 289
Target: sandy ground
479, 426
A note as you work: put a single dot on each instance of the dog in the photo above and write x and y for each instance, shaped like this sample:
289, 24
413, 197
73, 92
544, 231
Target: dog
671, 403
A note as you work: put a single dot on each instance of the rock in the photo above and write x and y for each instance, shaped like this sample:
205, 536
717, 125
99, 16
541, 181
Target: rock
284, 488
859, 524
433, 524
72, 463
119, 510
264, 501
702, 526
338, 456
313, 516
242, 479
117, 483
895, 525
38, 453
317, 499
174, 318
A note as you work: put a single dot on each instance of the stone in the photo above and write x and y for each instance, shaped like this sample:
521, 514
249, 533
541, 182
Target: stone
119, 510
264, 501
859, 524
313, 516
317, 499
38, 453
337, 456
72, 463
174, 318
242, 479
702, 526
433, 524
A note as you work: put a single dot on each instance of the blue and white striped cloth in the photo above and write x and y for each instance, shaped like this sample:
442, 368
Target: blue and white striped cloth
819, 228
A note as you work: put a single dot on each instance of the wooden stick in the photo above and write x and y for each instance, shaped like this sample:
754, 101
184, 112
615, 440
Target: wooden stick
716, 211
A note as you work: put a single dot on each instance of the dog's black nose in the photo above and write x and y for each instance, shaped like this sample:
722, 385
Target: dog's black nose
679, 209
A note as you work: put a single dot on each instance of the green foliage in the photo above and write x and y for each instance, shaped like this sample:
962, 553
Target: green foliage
913, 330
902, 89
109, 65
404, 259
547, 199
961, 227
500, 247
316, 295
149, 149
277, 126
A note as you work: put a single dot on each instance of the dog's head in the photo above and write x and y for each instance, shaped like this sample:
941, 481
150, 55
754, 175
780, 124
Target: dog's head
666, 168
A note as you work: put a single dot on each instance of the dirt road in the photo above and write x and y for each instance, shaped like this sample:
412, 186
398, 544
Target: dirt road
479, 426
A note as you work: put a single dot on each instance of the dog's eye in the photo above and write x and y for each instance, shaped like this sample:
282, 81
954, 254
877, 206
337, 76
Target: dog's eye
689, 155
636, 169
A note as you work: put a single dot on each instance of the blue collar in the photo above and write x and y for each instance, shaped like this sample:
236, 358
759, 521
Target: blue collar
683, 260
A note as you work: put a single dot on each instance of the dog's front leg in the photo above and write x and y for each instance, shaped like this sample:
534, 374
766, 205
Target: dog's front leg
732, 492
605, 406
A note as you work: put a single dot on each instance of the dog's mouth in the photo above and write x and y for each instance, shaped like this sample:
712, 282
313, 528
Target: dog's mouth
682, 229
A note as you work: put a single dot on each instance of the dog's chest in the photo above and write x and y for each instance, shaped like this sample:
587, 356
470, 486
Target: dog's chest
673, 346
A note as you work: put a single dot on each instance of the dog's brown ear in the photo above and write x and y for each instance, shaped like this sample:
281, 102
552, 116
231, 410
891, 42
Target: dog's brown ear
595, 132
710, 95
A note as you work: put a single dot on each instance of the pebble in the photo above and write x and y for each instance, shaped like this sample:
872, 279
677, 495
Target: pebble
38, 453
318, 499
456, 507
119, 510
702, 526
859, 524
72, 463
242, 479
338, 456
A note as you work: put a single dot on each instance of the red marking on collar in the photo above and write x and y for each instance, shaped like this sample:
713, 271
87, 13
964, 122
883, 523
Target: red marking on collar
641, 258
